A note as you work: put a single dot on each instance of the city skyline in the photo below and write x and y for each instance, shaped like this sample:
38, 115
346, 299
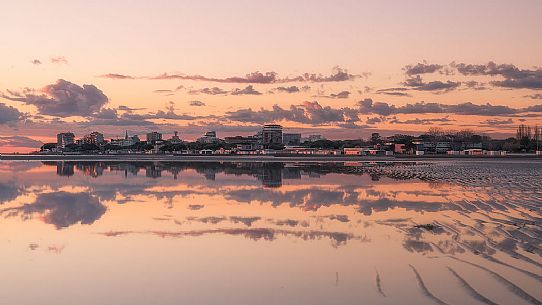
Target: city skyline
272, 139
189, 68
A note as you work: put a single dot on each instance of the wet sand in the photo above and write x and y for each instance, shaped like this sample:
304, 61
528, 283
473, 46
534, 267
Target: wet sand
441, 231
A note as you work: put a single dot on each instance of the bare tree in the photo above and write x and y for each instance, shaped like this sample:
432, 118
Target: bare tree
537, 136
464, 134
523, 131
436, 132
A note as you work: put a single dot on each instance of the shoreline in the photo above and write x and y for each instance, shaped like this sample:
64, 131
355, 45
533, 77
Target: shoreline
257, 158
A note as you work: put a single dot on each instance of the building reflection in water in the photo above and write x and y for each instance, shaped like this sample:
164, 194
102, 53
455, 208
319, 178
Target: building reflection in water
270, 174
443, 193
432, 216
65, 169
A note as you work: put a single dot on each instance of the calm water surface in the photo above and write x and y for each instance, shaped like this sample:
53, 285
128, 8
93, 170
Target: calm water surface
440, 232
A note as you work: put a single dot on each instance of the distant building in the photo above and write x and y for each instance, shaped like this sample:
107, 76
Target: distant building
432, 146
242, 143
272, 134
399, 148
466, 145
211, 134
93, 138
127, 141
64, 139
153, 137
357, 151
291, 139
208, 137
313, 138
175, 138
240, 140
473, 152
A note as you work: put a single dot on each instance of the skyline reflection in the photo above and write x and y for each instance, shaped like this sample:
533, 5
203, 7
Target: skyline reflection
439, 214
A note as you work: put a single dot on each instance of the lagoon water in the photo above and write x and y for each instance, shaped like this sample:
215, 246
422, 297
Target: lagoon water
436, 232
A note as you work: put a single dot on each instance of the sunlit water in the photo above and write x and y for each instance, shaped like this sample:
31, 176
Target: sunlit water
445, 232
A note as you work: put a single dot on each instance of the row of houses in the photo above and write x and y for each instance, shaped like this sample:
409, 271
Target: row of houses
445, 146
347, 151
477, 152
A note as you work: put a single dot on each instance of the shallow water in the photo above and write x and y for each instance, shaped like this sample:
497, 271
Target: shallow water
464, 232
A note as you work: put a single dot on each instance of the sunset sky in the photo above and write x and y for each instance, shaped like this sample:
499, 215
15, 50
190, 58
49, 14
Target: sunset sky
343, 69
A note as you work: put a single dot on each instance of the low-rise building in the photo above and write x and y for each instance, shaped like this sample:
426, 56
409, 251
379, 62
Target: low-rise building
249, 141
127, 141
433, 146
495, 153
399, 148
438, 147
291, 138
312, 138
299, 150
354, 151
377, 152
175, 139
466, 145
208, 138
473, 152
329, 152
